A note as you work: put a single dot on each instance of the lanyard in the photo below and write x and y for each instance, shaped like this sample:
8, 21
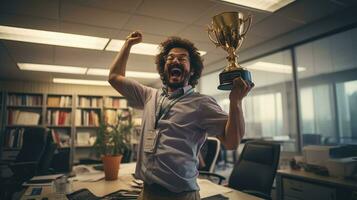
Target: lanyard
162, 112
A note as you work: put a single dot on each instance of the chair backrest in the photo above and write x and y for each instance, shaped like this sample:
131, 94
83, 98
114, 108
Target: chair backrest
256, 167
34, 142
210, 151
47, 156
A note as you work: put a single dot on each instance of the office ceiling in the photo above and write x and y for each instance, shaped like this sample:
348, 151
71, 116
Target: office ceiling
157, 19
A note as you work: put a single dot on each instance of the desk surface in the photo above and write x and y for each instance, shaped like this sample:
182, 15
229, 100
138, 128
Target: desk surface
301, 174
102, 188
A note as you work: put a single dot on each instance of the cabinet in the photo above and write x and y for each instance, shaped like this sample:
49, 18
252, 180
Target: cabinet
301, 185
73, 120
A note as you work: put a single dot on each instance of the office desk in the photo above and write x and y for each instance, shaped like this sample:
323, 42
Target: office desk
302, 185
102, 187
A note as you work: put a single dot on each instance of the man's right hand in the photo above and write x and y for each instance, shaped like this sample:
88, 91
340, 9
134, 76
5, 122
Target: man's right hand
134, 38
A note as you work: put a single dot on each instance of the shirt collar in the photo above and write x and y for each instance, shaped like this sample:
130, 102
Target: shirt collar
179, 92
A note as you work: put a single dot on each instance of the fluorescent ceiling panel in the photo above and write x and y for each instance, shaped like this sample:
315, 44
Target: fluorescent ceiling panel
273, 67
52, 68
80, 81
52, 38
134, 74
141, 48
267, 5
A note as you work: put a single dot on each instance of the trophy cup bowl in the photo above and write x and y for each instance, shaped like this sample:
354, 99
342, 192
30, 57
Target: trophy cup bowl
228, 30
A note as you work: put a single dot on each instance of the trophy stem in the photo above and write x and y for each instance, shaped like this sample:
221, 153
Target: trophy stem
232, 60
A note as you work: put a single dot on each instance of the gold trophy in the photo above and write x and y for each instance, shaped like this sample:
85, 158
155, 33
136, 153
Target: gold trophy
228, 31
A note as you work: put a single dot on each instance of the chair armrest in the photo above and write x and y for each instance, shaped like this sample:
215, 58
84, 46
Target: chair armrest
257, 194
209, 174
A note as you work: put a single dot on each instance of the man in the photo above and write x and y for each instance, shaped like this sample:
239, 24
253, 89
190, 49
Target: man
176, 119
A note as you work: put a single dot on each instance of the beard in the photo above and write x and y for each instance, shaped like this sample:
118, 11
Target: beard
176, 71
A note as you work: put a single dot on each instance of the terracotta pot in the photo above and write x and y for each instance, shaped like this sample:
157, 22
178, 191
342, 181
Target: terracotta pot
111, 166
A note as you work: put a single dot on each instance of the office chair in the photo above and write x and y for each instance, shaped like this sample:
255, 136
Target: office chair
255, 170
209, 152
33, 158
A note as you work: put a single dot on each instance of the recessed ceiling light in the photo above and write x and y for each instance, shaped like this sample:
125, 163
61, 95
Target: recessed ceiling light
141, 48
267, 5
52, 68
52, 38
134, 74
273, 67
80, 81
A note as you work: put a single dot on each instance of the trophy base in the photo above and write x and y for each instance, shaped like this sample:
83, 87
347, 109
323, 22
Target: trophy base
226, 78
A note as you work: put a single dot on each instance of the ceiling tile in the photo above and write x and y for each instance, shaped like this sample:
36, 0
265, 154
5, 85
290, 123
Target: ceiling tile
220, 7
294, 10
267, 27
194, 32
154, 25
115, 5
92, 16
45, 9
30, 52
183, 11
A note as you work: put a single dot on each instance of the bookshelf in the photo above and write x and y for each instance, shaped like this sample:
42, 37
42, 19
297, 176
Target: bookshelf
20, 110
87, 119
73, 119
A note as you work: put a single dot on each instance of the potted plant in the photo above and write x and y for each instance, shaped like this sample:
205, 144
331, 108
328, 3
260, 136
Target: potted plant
111, 143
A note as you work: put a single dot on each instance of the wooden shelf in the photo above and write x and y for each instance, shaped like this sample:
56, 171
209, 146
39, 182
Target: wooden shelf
59, 107
114, 108
26, 107
59, 126
89, 108
83, 146
23, 126
87, 126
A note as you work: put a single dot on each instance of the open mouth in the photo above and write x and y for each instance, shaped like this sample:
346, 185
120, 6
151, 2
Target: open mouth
175, 72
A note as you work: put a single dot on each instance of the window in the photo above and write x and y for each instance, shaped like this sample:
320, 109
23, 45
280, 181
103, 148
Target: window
267, 109
328, 89
347, 112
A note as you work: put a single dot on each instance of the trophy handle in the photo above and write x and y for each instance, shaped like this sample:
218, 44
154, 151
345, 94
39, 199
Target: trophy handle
209, 31
249, 20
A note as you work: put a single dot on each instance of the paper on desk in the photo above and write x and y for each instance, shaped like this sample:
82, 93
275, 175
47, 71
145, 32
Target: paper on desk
208, 188
46, 177
127, 168
88, 177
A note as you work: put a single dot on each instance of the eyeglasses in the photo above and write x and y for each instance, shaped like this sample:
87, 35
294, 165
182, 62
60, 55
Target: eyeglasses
181, 59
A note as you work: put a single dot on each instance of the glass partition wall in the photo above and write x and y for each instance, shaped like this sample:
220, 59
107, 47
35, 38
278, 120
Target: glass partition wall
267, 109
326, 75
328, 89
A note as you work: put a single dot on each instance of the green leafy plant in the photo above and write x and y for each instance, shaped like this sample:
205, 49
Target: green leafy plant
114, 139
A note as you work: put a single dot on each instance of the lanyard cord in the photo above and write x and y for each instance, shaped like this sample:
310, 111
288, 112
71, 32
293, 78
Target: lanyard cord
162, 112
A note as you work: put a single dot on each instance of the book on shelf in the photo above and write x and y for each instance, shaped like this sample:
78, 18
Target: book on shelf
14, 138
115, 102
83, 138
95, 102
86, 118
24, 100
59, 101
61, 137
58, 117
111, 116
19, 117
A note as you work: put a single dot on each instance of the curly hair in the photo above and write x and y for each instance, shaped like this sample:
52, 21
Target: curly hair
196, 62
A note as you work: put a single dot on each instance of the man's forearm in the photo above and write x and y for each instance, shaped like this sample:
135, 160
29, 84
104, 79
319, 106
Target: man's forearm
118, 66
235, 126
